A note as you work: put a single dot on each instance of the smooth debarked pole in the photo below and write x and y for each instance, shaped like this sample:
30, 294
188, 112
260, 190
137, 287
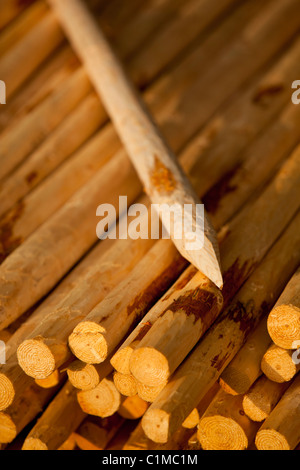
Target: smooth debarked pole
163, 179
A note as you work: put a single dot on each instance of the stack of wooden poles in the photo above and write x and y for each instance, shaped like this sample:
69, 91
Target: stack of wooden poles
120, 344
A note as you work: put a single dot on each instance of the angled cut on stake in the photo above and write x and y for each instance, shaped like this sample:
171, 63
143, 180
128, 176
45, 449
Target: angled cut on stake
162, 177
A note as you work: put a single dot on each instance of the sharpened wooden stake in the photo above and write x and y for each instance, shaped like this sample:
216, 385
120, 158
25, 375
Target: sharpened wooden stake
163, 179
278, 364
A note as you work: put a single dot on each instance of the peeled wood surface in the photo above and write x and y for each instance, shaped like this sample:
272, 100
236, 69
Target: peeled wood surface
281, 429
284, 319
224, 425
278, 364
265, 124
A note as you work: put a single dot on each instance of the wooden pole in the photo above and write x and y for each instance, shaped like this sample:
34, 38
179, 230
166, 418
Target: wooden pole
147, 393
126, 384
205, 364
95, 433
37, 288
132, 408
224, 425
23, 137
245, 368
82, 122
50, 75
59, 420
9, 11
103, 401
284, 319
87, 376
278, 364
162, 177
157, 355
281, 430
23, 24
22, 412
19, 62
262, 398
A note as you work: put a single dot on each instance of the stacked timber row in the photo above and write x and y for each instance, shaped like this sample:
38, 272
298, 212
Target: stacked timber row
122, 343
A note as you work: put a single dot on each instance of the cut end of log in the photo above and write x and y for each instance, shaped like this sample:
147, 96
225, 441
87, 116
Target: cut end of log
269, 439
8, 430
192, 420
83, 376
277, 364
256, 407
36, 359
103, 401
7, 392
32, 443
121, 360
155, 424
220, 433
133, 408
147, 393
126, 384
234, 382
88, 344
149, 367
284, 326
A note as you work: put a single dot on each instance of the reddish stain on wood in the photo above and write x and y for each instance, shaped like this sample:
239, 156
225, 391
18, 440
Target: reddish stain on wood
161, 177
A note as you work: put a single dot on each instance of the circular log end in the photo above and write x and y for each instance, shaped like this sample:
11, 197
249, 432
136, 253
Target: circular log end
32, 443
83, 376
269, 439
256, 407
220, 433
149, 367
284, 326
234, 381
88, 344
36, 359
155, 424
103, 401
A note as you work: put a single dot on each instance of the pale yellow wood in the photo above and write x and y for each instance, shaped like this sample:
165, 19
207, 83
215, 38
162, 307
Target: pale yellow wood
262, 398
162, 177
245, 368
203, 367
224, 425
58, 421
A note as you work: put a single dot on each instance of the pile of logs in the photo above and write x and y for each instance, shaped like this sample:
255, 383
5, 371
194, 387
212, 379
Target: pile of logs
122, 344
